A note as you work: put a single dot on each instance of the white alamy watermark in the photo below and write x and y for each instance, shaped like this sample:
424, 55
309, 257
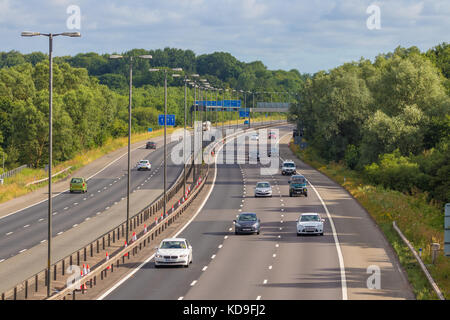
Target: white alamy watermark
74, 19
239, 147
73, 281
373, 22
374, 280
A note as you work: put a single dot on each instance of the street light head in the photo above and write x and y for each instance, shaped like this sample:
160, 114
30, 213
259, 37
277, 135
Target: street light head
115, 56
195, 75
153, 70
176, 75
30, 34
177, 69
71, 34
146, 56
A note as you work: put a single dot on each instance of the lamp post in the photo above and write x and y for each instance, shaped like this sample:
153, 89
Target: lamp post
185, 80
130, 94
165, 130
50, 133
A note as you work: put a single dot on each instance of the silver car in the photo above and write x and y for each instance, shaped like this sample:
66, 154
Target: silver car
263, 189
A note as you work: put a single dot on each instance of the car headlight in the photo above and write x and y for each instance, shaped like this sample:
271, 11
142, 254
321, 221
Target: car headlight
255, 225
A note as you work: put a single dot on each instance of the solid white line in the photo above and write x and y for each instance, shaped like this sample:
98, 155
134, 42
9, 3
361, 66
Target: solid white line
193, 283
204, 268
181, 230
32, 205
220, 246
9, 233
22, 250
338, 247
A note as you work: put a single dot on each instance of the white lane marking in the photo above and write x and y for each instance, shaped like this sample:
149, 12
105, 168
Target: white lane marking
277, 245
274, 255
258, 298
230, 229
9, 233
26, 226
270, 267
279, 236
59, 233
2, 260
98, 213
54, 213
84, 199
180, 298
265, 281
66, 208
226, 237
76, 203
99, 191
181, 230
22, 250
338, 247
220, 246
42, 219
106, 208
204, 268
43, 241
87, 219
193, 283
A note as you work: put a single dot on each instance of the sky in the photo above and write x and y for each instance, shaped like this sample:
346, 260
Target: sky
307, 35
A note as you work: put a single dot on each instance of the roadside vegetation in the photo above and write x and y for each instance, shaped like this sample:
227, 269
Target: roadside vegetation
420, 220
17, 185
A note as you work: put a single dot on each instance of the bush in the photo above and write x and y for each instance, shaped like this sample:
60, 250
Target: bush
395, 172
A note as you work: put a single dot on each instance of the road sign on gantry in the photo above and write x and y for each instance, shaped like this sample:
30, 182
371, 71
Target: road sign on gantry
170, 120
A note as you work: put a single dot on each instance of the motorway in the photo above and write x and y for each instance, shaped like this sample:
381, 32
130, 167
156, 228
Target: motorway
80, 218
276, 264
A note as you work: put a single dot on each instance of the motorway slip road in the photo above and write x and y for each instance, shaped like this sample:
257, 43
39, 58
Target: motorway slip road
276, 264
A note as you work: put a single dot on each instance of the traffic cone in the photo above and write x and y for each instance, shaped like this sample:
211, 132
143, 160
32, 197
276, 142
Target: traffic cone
178, 202
145, 228
156, 220
134, 238
88, 269
107, 259
84, 270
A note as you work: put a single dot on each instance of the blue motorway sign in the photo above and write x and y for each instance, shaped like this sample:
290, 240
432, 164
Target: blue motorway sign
244, 114
170, 120
220, 103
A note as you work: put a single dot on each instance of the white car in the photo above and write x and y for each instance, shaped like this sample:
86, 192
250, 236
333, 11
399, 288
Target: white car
310, 223
288, 168
144, 165
173, 252
263, 189
254, 137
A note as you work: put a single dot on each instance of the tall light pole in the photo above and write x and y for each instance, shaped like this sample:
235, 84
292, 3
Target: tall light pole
130, 94
165, 130
185, 80
50, 135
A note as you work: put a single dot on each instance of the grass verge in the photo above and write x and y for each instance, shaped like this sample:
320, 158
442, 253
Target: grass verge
420, 221
16, 186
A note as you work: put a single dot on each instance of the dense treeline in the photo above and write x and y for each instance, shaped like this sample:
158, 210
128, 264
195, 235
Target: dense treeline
90, 102
388, 119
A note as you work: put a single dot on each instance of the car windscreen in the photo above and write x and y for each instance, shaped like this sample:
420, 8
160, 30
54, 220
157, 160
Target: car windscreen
247, 217
306, 218
76, 180
289, 165
298, 180
263, 185
173, 245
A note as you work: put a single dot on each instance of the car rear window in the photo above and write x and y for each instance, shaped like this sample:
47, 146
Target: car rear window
76, 180
144, 161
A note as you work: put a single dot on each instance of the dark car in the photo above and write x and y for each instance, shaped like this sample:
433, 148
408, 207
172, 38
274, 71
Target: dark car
247, 223
150, 145
297, 186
